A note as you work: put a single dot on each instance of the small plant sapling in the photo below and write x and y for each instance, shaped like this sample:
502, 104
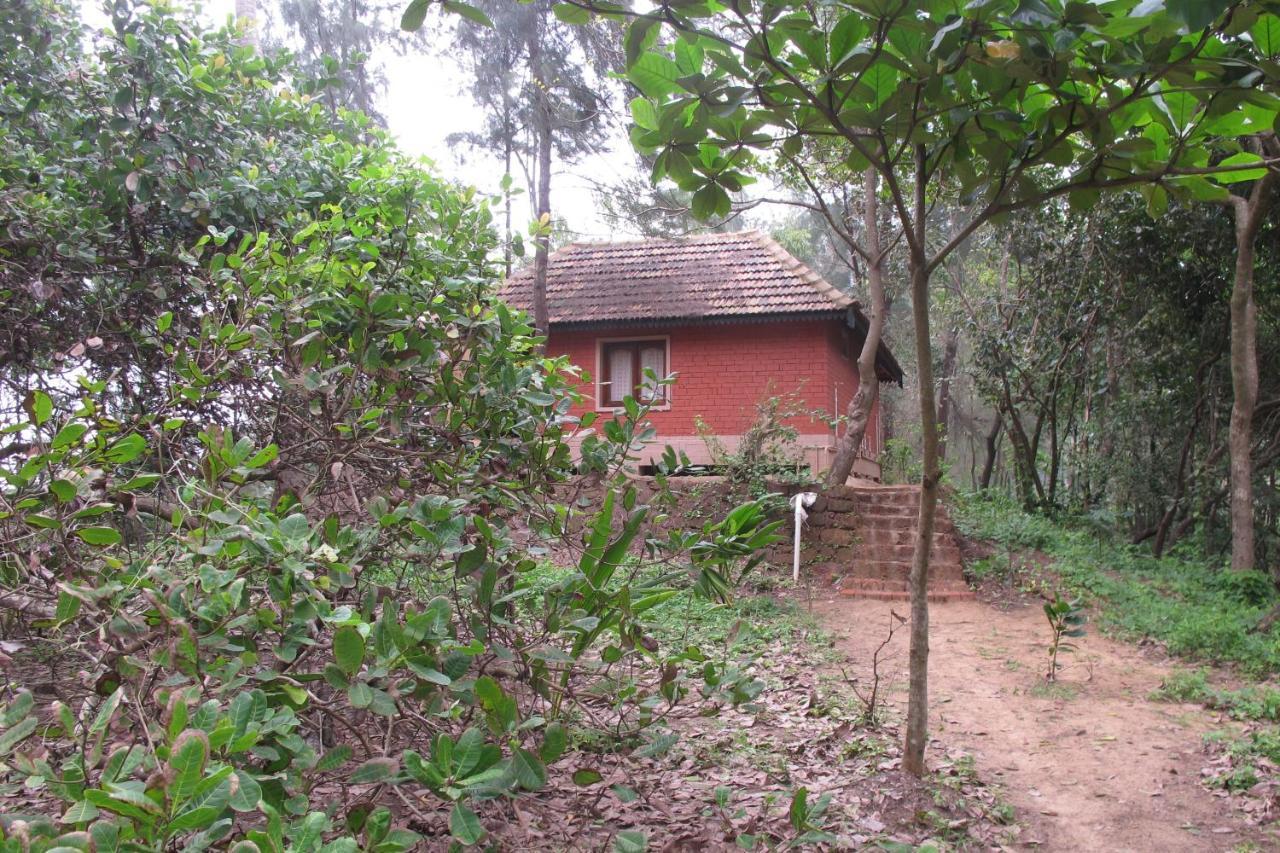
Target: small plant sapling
1066, 620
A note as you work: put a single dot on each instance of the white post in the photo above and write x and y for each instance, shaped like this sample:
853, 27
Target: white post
799, 502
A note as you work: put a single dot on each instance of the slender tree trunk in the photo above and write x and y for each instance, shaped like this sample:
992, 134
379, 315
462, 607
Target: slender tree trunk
861, 405
993, 448
950, 352
507, 143
1244, 370
247, 19
1030, 489
542, 120
918, 694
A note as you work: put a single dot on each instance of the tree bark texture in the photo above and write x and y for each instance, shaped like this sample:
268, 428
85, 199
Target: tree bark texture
247, 18
1244, 369
950, 355
993, 448
861, 405
542, 120
918, 659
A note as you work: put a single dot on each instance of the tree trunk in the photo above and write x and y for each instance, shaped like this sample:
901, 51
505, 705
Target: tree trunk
507, 143
542, 122
1184, 460
950, 352
992, 449
247, 20
1030, 489
862, 403
1244, 370
918, 694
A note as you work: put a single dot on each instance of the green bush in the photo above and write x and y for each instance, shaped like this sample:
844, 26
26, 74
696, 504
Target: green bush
283, 461
1252, 588
1197, 610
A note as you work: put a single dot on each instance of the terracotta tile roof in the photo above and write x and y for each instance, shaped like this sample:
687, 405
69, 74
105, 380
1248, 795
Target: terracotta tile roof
740, 274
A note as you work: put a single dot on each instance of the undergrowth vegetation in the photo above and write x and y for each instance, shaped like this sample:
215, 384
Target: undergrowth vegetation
274, 463
1196, 611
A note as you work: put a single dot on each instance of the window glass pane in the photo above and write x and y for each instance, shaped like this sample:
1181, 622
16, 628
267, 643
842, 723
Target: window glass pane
621, 382
653, 357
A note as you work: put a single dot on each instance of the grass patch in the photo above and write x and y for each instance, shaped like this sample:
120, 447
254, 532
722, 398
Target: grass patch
1197, 610
1255, 702
1056, 690
748, 624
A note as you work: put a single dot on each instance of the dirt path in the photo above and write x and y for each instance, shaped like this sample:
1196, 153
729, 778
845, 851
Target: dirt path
1090, 764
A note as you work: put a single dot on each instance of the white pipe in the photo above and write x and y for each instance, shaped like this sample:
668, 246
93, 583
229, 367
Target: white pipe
799, 502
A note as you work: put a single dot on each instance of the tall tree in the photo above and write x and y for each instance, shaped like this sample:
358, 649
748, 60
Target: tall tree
1249, 211
545, 90
863, 402
333, 42
1003, 105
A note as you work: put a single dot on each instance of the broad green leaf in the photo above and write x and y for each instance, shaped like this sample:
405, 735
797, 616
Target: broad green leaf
1180, 107
41, 408
69, 435
126, 449
464, 826
798, 813
1266, 34
466, 10
63, 490
630, 841
1244, 158
106, 712
19, 709
414, 14
80, 812
14, 735
528, 770
571, 14
360, 695
882, 80
375, 770
334, 758
246, 792
586, 776
660, 745
348, 649
187, 759
643, 113
263, 457
1198, 188
710, 201
1196, 15
100, 535
654, 75
554, 741
466, 753
200, 817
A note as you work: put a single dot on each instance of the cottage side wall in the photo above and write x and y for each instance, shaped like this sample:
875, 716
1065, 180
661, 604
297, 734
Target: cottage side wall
724, 370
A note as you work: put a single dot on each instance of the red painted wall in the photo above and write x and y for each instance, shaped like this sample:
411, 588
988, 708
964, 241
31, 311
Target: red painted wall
725, 369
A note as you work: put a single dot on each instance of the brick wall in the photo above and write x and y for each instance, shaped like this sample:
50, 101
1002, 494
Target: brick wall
725, 369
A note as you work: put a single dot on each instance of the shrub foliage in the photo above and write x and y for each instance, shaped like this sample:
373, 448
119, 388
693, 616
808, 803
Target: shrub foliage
274, 463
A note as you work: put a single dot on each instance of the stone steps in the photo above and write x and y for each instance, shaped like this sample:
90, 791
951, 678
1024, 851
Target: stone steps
863, 539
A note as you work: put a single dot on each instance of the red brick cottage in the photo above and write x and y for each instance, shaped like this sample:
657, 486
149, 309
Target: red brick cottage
734, 316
